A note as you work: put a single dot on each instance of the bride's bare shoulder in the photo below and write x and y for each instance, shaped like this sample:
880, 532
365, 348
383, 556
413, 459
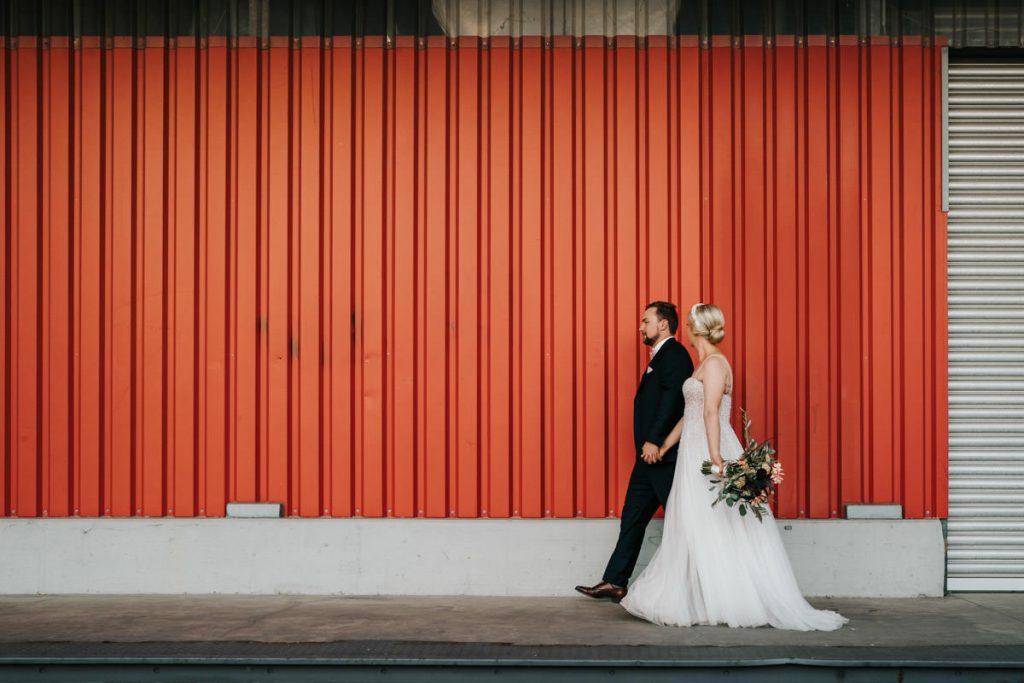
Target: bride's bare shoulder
719, 358
715, 362
716, 370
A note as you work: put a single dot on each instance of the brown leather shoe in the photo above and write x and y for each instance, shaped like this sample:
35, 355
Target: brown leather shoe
604, 590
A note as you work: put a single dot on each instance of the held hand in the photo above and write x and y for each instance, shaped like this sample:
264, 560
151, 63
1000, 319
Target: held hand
719, 463
650, 453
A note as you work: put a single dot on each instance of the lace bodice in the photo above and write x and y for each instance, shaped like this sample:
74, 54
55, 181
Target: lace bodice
693, 396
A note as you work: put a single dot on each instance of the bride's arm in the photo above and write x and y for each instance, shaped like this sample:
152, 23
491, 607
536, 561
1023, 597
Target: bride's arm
713, 377
672, 439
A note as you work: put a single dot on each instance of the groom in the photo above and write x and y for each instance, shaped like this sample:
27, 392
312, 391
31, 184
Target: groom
657, 407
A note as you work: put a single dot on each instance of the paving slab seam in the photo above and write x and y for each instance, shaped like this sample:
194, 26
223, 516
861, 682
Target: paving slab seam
1009, 615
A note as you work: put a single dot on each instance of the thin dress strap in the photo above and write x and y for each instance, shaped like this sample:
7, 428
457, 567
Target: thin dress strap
727, 365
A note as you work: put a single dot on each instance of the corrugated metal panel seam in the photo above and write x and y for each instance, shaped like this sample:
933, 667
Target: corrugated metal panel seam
368, 281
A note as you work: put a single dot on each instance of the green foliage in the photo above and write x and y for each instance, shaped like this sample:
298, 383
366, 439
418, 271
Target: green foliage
750, 480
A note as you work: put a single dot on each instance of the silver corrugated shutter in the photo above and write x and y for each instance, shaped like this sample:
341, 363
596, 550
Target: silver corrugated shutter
986, 325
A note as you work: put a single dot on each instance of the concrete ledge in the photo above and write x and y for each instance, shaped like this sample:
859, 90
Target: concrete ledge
255, 510
873, 511
841, 558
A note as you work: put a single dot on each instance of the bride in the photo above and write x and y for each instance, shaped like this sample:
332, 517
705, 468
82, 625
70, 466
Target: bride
715, 566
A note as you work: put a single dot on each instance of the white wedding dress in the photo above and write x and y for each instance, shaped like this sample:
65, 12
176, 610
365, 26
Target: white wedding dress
714, 566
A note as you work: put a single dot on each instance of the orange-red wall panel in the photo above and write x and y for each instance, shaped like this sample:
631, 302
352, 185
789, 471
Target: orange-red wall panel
365, 279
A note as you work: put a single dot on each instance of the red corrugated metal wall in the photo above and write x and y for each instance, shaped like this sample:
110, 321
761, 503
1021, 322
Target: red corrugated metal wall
405, 280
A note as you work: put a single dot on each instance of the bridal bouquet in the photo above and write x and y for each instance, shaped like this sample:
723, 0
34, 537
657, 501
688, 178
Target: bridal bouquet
750, 480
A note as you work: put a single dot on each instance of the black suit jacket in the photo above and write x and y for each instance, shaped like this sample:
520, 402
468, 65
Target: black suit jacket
658, 404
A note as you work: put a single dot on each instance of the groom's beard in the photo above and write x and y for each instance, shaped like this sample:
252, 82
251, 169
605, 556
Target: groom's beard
649, 341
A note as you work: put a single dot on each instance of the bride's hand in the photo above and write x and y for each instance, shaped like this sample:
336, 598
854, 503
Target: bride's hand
720, 464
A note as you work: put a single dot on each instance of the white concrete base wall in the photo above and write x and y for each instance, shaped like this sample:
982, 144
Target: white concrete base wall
843, 558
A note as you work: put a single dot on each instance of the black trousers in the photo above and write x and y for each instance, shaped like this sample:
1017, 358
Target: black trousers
647, 491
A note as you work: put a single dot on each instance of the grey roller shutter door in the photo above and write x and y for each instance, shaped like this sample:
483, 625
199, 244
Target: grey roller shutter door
986, 325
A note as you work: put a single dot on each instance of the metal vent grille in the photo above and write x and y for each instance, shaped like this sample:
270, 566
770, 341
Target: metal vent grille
986, 326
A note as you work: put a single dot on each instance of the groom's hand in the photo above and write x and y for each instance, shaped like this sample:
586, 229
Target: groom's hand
651, 453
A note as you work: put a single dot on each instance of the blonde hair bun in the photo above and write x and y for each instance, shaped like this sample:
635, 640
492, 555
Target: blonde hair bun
708, 321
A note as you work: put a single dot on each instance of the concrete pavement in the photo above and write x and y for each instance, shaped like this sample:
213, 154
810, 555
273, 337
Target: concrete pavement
956, 620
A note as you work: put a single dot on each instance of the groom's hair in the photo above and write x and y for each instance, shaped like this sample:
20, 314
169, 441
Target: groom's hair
666, 311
